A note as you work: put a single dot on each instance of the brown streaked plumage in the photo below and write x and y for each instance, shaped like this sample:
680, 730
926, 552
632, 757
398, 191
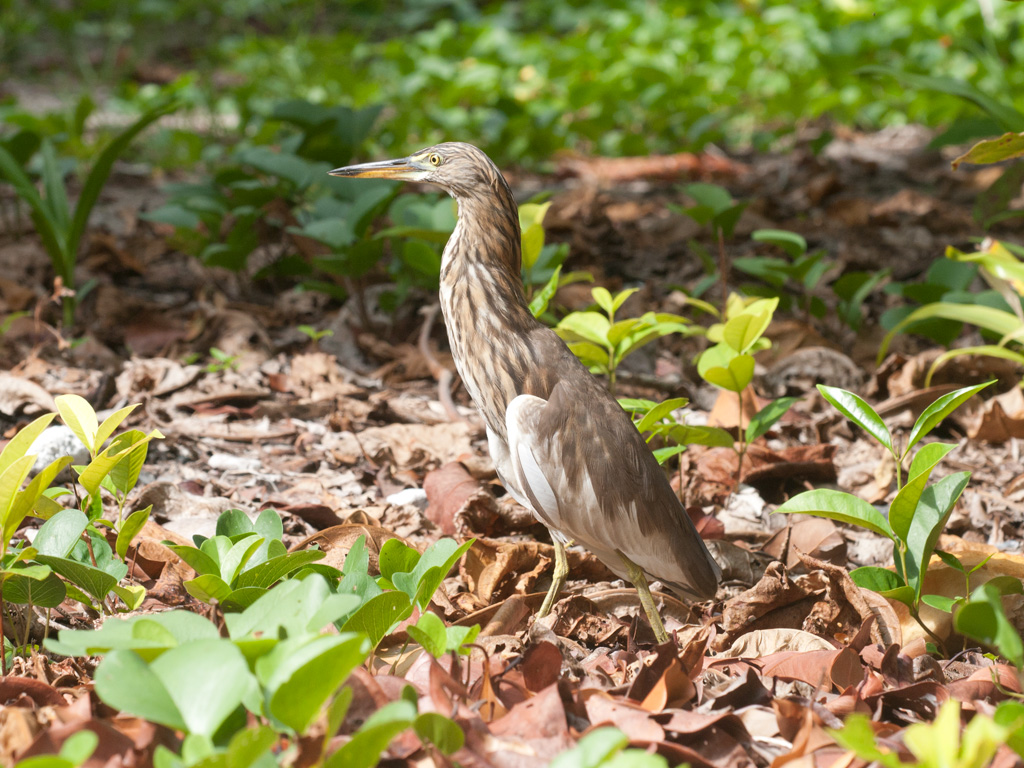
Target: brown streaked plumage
561, 444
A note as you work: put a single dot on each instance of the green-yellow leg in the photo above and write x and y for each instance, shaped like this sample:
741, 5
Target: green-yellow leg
639, 580
557, 579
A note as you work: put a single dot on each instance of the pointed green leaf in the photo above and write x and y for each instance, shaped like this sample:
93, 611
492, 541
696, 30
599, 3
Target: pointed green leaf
859, 412
130, 529
939, 410
933, 510
767, 417
80, 418
837, 505
22, 441
126, 683
112, 422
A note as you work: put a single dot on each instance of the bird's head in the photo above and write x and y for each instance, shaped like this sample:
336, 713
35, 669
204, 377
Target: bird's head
461, 169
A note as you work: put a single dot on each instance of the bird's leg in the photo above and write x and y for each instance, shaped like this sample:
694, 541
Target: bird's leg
639, 580
557, 578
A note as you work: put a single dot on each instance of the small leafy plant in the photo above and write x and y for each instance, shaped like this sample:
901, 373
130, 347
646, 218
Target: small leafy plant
601, 342
729, 364
61, 228
918, 512
1004, 321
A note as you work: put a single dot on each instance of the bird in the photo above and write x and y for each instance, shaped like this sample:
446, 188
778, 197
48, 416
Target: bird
562, 446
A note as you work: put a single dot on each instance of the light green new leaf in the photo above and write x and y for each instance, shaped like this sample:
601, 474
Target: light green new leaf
792, 243
859, 412
999, 321
430, 632
926, 459
837, 505
659, 412
131, 594
366, 746
378, 615
19, 445
112, 422
984, 620
588, 326
734, 378
130, 529
742, 331
939, 410
126, 683
26, 500
80, 418
92, 476
125, 473
982, 350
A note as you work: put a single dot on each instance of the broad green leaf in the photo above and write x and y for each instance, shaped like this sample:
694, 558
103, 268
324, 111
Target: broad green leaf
367, 744
983, 619
664, 454
951, 560
589, 354
80, 418
299, 681
125, 473
378, 615
10, 484
431, 569
837, 505
27, 500
713, 437
742, 331
206, 680
430, 632
939, 410
603, 299
236, 558
884, 582
126, 683
112, 422
532, 244
78, 747
130, 529
196, 559
247, 747
858, 736
234, 522
926, 459
717, 356
940, 602
1006, 147
94, 581
734, 378
458, 637
273, 570
293, 604
100, 467
396, 557
904, 505
24, 586
442, 732
19, 445
132, 595
859, 412
588, 326
268, 524
208, 588
933, 510
767, 417
58, 535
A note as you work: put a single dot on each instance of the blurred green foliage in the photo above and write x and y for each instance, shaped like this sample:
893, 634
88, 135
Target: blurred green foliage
526, 79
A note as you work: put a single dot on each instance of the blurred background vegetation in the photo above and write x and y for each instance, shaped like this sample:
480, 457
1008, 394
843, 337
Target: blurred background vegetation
526, 79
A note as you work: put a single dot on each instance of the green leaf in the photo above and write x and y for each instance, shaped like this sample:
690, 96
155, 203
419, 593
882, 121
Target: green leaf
588, 326
933, 510
104, 462
940, 602
431, 569
884, 582
430, 632
101, 170
767, 417
792, 243
366, 746
22, 441
94, 581
13, 513
208, 588
904, 505
130, 529
273, 570
837, 505
132, 595
659, 412
80, 418
126, 683
378, 615
983, 619
999, 321
735, 377
939, 410
594, 750
396, 557
742, 331
951, 560
24, 587
206, 680
1006, 147
300, 680
926, 459
443, 733
112, 422
58, 535
859, 412
541, 299
125, 473
196, 559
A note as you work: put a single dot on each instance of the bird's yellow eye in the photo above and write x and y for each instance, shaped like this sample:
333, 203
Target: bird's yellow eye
435, 159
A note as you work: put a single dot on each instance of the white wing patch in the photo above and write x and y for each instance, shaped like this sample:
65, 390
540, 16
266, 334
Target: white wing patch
529, 459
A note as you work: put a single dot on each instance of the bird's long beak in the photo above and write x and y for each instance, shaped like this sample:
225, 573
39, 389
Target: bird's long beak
404, 169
